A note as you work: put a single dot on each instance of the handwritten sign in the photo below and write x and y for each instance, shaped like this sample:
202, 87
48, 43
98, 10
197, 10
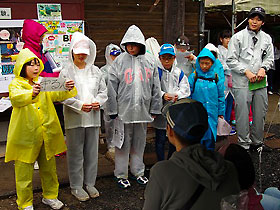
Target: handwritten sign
4, 82
5, 104
52, 83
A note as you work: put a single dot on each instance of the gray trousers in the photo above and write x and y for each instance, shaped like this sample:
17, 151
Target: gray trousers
82, 156
258, 100
133, 146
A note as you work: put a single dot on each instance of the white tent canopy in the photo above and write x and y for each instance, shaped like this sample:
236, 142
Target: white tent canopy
271, 7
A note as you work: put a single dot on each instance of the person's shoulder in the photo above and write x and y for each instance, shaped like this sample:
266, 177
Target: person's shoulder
163, 166
240, 34
266, 36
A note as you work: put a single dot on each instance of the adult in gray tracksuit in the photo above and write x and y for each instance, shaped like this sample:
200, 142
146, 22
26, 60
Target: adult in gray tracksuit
111, 52
134, 96
250, 56
82, 116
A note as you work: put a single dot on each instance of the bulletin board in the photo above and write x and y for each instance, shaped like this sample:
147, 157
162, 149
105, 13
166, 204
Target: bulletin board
56, 41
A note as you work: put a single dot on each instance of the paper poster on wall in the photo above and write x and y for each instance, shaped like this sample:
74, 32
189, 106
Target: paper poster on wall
56, 42
57, 39
49, 11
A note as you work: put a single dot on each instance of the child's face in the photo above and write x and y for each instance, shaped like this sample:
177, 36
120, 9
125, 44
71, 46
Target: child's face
225, 41
32, 70
80, 58
180, 49
113, 57
255, 23
133, 49
205, 64
167, 60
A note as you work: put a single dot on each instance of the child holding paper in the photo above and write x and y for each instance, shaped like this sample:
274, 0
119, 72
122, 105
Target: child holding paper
82, 116
34, 132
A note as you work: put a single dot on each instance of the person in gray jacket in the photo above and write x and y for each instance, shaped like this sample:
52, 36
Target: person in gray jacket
194, 177
250, 56
134, 97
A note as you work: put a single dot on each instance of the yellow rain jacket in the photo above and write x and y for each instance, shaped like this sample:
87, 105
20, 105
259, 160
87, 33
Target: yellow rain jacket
33, 121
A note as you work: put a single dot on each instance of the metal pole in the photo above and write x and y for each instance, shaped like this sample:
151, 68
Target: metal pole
233, 25
201, 24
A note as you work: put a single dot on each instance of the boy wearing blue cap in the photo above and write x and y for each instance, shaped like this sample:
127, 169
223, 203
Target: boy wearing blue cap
174, 85
111, 53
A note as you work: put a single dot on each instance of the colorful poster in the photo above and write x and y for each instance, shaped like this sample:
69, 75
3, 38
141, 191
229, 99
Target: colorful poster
56, 42
57, 39
49, 12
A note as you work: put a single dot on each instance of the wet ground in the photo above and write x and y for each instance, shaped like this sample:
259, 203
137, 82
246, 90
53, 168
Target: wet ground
114, 198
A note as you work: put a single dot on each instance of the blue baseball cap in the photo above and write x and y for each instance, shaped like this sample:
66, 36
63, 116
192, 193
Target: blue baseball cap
115, 52
191, 128
167, 49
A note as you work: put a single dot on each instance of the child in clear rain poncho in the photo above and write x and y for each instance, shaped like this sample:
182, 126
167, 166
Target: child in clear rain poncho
34, 132
82, 116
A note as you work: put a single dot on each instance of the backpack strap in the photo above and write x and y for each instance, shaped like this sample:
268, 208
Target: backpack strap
194, 197
181, 76
159, 73
216, 79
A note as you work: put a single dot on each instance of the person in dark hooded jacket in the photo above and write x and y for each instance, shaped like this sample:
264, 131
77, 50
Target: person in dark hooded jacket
194, 177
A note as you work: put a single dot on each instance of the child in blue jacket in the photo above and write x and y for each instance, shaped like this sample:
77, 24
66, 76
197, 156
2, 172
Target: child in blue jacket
207, 88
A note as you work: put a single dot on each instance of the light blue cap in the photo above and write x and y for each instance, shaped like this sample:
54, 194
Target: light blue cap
167, 49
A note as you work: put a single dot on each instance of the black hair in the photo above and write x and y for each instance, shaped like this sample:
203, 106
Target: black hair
180, 38
142, 47
243, 164
23, 70
204, 57
256, 14
224, 34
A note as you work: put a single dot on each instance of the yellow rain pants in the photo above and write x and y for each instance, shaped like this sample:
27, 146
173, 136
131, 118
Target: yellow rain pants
24, 177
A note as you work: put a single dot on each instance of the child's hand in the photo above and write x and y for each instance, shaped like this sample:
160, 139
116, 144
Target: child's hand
95, 106
36, 89
170, 97
261, 74
221, 116
251, 76
190, 57
69, 84
87, 107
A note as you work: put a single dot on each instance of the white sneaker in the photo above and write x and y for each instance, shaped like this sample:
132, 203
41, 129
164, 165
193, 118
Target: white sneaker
36, 165
29, 208
92, 191
53, 203
80, 194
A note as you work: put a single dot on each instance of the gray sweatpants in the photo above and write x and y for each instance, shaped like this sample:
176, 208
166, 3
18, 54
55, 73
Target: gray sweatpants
133, 146
82, 155
243, 99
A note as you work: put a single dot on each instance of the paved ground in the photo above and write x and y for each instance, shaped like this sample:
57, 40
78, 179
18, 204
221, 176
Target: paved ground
114, 198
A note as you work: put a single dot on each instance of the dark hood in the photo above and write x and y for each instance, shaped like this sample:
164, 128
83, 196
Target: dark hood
206, 167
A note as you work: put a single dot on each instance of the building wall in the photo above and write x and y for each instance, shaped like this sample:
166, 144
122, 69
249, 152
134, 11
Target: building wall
27, 9
107, 21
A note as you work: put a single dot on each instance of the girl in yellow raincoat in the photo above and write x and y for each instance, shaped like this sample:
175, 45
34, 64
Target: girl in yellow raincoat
34, 132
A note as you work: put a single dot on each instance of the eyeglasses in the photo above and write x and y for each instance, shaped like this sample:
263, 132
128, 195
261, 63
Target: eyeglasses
166, 57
